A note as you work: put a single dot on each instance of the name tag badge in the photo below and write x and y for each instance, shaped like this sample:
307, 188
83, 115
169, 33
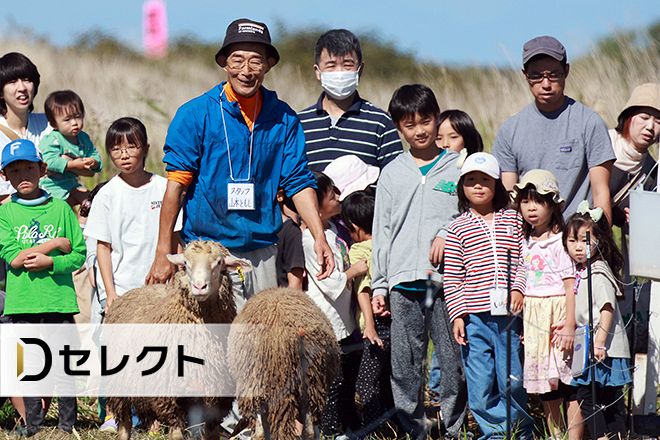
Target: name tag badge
580, 351
240, 196
498, 302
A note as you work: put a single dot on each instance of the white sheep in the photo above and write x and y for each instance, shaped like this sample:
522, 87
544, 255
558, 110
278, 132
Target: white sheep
200, 294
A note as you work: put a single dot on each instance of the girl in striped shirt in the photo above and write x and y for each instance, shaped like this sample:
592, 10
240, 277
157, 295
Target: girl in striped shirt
475, 285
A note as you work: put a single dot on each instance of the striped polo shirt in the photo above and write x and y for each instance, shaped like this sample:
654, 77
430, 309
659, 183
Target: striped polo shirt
470, 262
363, 130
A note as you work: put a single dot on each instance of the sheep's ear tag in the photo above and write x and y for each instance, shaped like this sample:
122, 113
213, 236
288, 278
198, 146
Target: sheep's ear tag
239, 264
177, 259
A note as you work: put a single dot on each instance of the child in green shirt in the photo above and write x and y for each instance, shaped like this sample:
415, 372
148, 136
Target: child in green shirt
42, 243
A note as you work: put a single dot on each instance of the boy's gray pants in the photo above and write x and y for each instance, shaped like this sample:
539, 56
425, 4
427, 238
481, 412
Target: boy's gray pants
408, 354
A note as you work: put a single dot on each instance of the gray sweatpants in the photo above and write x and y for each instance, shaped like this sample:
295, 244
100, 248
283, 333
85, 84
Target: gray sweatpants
408, 354
262, 276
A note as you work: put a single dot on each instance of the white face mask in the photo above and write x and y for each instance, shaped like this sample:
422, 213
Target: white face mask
341, 84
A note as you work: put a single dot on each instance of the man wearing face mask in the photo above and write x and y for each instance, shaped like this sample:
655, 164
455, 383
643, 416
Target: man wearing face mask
341, 122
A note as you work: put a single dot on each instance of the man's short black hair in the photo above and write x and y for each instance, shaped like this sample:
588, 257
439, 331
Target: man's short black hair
357, 209
13, 66
413, 99
338, 42
540, 56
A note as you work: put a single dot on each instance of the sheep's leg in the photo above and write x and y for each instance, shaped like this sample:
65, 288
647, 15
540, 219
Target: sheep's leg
259, 428
309, 431
124, 423
211, 431
176, 433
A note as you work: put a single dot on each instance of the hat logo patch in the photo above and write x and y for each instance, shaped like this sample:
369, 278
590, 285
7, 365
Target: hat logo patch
549, 185
480, 160
250, 28
13, 147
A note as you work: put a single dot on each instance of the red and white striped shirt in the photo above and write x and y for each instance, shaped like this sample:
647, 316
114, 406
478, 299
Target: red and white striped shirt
474, 253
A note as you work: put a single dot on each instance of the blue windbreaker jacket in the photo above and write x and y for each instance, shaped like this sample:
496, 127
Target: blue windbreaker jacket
196, 142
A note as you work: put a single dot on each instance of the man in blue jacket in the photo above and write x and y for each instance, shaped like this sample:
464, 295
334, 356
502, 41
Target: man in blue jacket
228, 151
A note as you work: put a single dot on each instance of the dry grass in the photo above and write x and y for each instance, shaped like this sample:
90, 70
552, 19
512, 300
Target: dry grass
112, 87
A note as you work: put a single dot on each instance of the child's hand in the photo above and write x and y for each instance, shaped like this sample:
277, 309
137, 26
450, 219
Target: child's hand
600, 353
563, 335
361, 267
437, 251
109, 300
517, 301
458, 329
63, 244
90, 163
36, 261
371, 334
379, 306
627, 211
76, 164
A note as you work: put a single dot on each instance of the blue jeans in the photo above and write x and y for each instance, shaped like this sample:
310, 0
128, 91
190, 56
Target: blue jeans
484, 358
434, 375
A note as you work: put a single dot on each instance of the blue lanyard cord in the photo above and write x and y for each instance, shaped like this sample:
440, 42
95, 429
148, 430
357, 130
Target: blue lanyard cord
224, 126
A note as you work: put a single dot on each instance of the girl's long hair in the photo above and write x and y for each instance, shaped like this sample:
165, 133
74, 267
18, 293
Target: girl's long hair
556, 219
463, 124
601, 232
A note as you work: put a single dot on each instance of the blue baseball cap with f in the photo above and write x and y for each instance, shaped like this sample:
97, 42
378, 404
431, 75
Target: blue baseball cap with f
20, 149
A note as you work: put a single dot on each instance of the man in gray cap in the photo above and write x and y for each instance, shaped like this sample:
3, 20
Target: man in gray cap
556, 133
226, 154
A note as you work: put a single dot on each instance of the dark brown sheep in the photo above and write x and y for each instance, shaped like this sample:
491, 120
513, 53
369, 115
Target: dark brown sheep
283, 355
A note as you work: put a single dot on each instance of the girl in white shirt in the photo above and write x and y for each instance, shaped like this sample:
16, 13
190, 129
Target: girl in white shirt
125, 214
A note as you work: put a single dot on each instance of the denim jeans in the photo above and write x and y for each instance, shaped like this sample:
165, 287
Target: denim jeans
484, 357
435, 372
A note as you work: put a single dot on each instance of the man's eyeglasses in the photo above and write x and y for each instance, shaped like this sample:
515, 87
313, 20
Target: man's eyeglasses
255, 64
131, 150
537, 77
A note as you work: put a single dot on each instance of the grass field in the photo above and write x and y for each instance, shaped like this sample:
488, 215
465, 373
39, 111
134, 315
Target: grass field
115, 84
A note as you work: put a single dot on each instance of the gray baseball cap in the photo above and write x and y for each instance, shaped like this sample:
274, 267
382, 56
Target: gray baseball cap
543, 45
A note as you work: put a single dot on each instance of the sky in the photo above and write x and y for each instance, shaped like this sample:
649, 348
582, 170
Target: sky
458, 32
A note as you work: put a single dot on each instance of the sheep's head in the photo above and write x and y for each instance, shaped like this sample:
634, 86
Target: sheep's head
204, 262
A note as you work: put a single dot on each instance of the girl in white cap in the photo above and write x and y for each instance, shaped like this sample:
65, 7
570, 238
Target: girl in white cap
549, 313
475, 283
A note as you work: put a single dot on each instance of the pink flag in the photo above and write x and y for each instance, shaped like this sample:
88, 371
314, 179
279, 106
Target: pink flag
154, 30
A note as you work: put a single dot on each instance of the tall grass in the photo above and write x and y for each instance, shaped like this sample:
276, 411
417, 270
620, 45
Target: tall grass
126, 85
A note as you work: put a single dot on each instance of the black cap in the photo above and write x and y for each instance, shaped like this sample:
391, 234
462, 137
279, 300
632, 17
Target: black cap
245, 30
544, 45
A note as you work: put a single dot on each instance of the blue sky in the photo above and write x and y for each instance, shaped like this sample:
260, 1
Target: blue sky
453, 32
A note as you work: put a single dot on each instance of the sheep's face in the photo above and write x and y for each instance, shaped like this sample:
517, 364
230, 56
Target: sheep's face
204, 271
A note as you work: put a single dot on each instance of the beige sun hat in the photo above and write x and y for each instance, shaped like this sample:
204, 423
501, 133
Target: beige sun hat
542, 180
645, 95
